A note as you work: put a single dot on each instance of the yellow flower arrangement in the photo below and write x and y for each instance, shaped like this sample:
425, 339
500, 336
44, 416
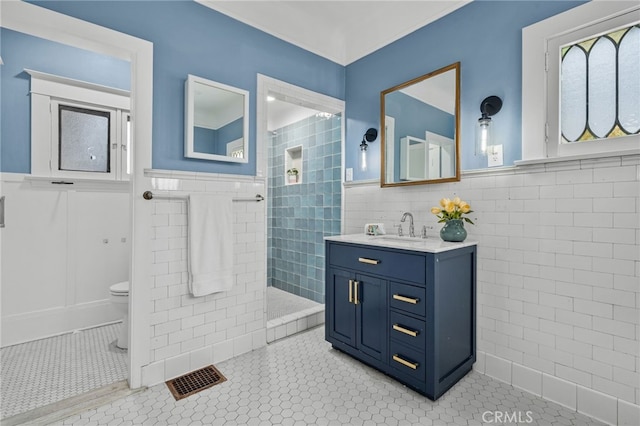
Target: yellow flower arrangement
452, 209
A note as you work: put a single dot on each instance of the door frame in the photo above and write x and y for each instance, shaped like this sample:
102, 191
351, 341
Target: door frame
300, 96
44, 23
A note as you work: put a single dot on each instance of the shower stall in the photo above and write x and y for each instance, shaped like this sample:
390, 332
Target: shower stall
302, 211
302, 135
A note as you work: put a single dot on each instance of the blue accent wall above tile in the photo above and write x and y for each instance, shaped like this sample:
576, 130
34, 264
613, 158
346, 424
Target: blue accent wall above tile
486, 37
189, 38
20, 51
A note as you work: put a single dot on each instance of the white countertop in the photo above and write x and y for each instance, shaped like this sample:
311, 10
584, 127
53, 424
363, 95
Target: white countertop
428, 245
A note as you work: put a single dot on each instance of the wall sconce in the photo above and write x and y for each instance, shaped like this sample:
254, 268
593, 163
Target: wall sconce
489, 106
369, 136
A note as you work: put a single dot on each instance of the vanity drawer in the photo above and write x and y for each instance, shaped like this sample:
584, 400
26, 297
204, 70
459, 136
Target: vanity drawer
406, 360
403, 266
407, 330
408, 298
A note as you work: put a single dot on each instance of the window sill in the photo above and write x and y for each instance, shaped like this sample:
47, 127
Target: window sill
595, 156
77, 184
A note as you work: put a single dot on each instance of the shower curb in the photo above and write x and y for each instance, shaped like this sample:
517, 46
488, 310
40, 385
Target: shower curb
291, 324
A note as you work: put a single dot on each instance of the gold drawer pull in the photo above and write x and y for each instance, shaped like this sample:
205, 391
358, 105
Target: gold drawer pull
401, 329
350, 291
355, 292
404, 362
368, 261
411, 300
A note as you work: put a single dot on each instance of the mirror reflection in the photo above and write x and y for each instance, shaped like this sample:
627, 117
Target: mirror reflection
420, 129
216, 121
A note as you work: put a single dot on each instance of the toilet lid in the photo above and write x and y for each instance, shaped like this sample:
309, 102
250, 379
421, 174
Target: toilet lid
120, 288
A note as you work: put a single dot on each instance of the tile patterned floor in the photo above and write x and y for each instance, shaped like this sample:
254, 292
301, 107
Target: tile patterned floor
280, 303
41, 372
302, 380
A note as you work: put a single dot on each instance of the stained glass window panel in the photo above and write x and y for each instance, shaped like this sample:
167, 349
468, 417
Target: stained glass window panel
600, 87
574, 93
629, 81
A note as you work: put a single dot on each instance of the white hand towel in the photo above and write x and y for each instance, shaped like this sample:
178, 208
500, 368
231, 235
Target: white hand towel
210, 246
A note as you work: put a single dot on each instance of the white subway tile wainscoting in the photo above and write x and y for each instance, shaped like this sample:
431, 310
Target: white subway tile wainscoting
558, 274
189, 332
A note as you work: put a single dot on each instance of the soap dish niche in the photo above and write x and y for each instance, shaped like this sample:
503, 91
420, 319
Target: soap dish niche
293, 165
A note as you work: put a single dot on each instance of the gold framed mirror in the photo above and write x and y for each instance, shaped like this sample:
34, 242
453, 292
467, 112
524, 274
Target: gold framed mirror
420, 122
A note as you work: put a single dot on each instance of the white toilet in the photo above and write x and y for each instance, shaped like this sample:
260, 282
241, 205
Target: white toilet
120, 299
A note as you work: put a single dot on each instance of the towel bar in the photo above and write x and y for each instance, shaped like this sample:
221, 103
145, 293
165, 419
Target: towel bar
148, 195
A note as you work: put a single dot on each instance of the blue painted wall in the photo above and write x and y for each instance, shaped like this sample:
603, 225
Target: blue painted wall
20, 51
485, 36
189, 38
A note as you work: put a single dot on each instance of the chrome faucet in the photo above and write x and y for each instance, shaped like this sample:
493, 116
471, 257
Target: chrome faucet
412, 232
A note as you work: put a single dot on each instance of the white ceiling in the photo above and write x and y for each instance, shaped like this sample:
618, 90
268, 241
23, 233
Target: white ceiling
342, 31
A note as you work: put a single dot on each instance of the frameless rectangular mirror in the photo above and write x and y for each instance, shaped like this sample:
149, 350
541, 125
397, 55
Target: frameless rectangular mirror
216, 121
420, 137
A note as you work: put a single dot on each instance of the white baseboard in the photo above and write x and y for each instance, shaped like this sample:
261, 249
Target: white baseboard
166, 369
21, 328
606, 408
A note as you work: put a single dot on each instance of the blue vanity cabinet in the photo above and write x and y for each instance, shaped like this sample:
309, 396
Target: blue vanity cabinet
415, 314
358, 314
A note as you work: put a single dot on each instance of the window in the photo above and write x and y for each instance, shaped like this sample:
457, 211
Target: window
78, 130
580, 89
600, 87
83, 139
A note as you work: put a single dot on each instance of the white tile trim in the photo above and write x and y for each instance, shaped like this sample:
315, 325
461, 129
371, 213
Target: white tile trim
597, 405
526, 379
628, 414
586, 401
179, 174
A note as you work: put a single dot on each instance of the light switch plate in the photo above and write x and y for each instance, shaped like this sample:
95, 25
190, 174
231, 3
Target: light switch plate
494, 157
349, 175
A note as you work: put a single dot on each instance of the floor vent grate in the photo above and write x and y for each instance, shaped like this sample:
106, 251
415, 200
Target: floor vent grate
194, 382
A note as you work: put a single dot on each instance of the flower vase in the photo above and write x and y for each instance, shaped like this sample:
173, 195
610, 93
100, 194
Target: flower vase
453, 230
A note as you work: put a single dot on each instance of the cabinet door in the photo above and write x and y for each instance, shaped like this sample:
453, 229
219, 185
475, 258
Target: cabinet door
341, 315
371, 312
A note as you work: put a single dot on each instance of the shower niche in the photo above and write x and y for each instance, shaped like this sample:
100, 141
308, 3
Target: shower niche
293, 165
